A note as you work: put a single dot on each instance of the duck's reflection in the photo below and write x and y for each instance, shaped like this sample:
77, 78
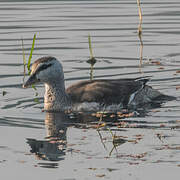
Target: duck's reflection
53, 148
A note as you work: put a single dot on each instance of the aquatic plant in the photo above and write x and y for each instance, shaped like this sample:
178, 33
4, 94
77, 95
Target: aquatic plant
90, 47
24, 59
28, 64
92, 59
4, 93
116, 140
30, 55
140, 33
140, 18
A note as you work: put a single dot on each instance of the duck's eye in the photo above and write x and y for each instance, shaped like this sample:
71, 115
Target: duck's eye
43, 67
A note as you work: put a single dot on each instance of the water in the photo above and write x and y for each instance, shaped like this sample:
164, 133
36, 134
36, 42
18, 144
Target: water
38, 145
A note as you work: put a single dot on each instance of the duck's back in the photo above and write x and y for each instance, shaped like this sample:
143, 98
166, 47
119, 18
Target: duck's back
108, 91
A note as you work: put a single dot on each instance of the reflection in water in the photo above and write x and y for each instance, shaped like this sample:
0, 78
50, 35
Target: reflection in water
92, 62
53, 148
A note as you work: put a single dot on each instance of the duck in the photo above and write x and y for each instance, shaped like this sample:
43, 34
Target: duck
126, 93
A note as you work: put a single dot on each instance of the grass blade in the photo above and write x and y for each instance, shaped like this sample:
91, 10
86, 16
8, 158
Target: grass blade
34, 87
30, 55
24, 56
92, 60
24, 59
90, 47
28, 64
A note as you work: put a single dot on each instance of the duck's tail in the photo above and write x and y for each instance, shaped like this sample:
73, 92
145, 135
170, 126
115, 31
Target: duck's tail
164, 97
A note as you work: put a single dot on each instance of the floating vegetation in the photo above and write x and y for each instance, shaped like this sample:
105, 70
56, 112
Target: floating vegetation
160, 137
92, 59
100, 175
134, 156
155, 62
4, 93
28, 64
116, 140
115, 115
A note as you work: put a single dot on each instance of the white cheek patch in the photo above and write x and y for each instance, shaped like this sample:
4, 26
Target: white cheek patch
48, 72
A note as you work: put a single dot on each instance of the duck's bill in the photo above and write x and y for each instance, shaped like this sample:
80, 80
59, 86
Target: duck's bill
32, 80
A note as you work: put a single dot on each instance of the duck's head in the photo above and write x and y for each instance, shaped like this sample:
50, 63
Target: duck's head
45, 70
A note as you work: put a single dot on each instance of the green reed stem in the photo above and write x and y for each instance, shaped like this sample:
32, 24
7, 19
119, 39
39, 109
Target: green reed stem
24, 59
29, 63
30, 55
90, 47
92, 60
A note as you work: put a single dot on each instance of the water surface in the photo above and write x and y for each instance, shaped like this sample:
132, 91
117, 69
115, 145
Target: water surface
38, 145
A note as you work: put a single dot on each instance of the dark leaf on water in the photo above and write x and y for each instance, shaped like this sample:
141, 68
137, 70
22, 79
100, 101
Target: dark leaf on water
4, 93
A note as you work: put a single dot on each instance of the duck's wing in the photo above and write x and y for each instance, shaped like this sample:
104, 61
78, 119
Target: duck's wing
105, 91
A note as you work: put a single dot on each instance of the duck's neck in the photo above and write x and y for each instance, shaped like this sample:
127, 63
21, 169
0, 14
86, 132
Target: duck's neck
55, 98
